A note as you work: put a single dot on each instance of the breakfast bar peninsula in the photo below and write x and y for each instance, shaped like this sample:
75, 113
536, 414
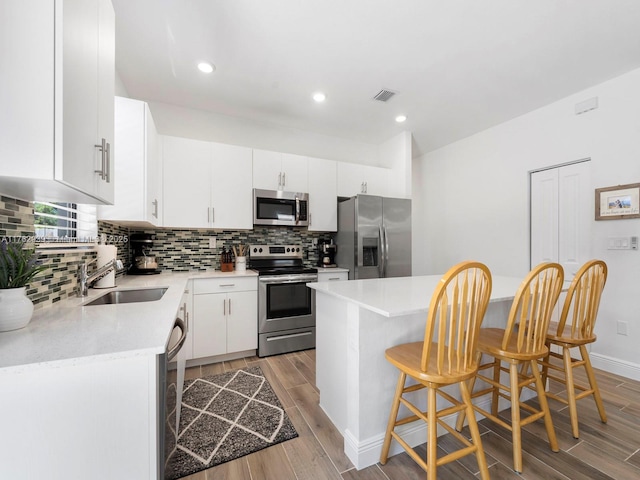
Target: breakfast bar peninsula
356, 321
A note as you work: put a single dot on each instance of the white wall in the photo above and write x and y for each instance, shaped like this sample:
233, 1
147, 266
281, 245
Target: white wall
214, 127
471, 200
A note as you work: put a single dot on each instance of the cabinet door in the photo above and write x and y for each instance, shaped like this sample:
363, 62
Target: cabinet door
231, 195
106, 92
375, 180
186, 182
77, 100
349, 179
128, 157
329, 276
294, 173
209, 325
323, 196
242, 321
153, 170
267, 169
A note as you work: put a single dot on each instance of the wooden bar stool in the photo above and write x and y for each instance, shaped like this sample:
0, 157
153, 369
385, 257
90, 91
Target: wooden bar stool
520, 345
447, 356
580, 310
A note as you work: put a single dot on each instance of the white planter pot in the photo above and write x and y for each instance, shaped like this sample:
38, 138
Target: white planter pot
15, 309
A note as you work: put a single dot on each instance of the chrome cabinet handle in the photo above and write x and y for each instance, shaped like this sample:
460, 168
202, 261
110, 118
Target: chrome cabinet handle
155, 208
224, 307
228, 285
279, 179
103, 152
213, 215
284, 178
229, 306
107, 172
366, 187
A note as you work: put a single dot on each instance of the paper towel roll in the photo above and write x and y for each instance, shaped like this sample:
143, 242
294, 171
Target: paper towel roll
106, 253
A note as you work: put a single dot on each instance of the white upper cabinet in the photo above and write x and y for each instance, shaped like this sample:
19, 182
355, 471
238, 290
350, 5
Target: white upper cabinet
323, 197
137, 166
231, 195
206, 185
186, 184
279, 171
57, 100
354, 179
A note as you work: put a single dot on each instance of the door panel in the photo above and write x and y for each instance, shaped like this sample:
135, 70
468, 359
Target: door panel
575, 213
544, 217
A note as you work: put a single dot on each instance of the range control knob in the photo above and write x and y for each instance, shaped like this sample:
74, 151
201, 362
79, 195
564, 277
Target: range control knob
298, 249
260, 250
255, 250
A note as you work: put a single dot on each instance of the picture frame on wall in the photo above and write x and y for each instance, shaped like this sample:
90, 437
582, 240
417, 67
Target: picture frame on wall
618, 203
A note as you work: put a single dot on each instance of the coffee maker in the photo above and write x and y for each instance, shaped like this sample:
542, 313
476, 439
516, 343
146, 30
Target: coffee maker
143, 262
327, 254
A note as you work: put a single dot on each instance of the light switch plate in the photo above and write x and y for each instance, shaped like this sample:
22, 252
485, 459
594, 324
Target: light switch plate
212, 242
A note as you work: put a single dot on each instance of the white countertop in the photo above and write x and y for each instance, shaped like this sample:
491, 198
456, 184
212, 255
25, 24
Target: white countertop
71, 332
392, 297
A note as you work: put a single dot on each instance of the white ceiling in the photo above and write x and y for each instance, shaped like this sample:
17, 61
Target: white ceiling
459, 66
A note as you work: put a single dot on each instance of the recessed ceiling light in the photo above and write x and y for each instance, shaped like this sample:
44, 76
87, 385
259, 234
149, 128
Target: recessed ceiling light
206, 67
319, 97
401, 118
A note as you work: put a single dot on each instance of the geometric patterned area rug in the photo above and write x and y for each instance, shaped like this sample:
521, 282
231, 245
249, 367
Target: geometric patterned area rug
224, 417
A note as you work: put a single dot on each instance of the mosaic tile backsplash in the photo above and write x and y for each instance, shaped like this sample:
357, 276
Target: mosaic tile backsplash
188, 249
175, 249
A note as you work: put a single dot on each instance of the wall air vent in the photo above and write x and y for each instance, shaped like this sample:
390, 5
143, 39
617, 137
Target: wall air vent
384, 95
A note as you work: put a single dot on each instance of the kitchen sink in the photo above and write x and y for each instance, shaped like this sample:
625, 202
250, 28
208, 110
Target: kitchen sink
129, 296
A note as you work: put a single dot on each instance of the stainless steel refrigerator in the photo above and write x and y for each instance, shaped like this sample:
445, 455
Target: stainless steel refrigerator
374, 237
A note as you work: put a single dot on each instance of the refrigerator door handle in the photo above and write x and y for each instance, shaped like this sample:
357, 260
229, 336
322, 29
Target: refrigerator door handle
386, 249
381, 267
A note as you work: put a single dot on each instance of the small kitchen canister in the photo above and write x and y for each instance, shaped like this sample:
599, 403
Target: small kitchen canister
241, 264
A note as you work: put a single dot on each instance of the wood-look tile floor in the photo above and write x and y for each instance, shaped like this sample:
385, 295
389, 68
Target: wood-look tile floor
603, 451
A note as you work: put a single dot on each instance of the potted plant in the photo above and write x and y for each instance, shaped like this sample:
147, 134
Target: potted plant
18, 266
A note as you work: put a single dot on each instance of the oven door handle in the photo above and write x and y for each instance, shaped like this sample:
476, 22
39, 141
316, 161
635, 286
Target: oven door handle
288, 279
183, 337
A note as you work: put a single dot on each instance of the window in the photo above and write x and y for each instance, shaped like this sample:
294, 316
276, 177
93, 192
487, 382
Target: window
65, 223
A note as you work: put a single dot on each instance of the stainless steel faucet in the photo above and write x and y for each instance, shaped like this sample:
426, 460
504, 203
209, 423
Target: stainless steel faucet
85, 281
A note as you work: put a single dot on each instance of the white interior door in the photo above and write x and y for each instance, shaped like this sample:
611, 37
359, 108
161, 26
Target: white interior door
544, 216
561, 212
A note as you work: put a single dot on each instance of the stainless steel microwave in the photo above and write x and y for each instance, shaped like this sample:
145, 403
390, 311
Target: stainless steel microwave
275, 207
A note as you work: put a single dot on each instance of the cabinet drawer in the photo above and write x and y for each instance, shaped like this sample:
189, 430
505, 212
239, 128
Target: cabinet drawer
332, 276
224, 284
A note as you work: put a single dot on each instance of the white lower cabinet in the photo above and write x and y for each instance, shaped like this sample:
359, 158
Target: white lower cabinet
87, 418
225, 315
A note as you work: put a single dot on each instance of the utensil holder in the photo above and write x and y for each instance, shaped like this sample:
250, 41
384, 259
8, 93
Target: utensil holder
241, 264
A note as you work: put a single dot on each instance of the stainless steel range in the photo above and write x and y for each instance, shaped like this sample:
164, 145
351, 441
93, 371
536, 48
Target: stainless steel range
286, 307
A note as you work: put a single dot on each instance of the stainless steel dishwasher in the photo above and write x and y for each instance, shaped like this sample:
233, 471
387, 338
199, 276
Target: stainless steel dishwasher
170, 370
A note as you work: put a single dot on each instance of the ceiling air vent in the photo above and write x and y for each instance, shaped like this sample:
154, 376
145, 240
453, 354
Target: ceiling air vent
384, 95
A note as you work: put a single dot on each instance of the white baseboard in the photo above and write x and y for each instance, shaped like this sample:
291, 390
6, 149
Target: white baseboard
366, 452
615, 365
